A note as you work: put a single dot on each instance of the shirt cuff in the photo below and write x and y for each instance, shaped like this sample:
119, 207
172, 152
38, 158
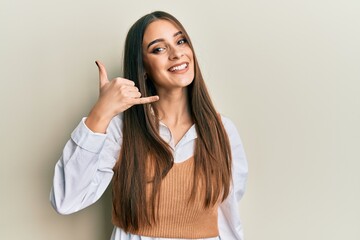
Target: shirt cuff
87, 139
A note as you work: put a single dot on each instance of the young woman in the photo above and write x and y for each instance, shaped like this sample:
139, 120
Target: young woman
177, 167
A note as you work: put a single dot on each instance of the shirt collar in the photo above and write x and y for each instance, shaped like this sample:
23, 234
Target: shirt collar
165, 133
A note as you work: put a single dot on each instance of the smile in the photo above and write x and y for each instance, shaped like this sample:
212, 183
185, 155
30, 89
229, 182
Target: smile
178, 67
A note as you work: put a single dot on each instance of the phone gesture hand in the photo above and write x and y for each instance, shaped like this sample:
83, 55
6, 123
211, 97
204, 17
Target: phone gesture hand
119, 94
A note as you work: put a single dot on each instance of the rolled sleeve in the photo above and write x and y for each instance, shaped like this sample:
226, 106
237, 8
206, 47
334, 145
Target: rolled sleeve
87, 139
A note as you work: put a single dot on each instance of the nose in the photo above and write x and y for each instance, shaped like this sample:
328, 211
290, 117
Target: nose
176, 53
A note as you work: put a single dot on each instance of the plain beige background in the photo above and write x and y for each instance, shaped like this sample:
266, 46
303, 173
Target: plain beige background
286, 72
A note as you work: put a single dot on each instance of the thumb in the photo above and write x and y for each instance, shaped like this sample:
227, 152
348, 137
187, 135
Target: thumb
103, 78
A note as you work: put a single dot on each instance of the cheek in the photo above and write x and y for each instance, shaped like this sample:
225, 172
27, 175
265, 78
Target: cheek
155, 66
149, 66
189, 52
151, 69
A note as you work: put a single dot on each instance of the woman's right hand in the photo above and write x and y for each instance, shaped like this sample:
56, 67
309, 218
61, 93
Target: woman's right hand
115, 97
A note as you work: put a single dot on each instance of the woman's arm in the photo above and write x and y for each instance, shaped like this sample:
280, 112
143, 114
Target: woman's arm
239, 162
230, 226
84, 170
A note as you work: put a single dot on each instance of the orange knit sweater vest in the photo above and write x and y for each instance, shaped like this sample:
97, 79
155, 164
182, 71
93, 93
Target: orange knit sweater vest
177, 217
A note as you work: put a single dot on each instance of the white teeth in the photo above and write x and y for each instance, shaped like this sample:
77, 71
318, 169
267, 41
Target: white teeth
178, 68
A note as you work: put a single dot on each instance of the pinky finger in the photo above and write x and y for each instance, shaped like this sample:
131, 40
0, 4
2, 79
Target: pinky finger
145, 100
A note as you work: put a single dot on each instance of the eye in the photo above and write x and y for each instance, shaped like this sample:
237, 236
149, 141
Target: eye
158, 50
182, 41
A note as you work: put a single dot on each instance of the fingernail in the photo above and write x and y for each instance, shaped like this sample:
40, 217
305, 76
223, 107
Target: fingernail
96, 63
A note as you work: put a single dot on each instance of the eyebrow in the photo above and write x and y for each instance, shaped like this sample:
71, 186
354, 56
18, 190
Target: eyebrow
161, 39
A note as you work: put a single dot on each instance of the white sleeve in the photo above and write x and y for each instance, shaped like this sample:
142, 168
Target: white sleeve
239, 162
230, 226
84, 170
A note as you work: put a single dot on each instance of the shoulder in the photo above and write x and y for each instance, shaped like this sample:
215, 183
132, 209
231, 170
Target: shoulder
231, 131
229, 125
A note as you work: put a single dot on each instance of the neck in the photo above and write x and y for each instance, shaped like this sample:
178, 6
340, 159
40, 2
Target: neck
173, 108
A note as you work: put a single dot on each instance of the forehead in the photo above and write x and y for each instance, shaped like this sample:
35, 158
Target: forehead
160, 29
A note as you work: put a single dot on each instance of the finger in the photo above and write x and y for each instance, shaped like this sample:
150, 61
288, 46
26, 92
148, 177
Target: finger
134, 94
145, 100
132, 89
123, 81
103, 78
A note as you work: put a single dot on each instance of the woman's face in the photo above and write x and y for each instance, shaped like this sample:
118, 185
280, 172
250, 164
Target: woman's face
168, 58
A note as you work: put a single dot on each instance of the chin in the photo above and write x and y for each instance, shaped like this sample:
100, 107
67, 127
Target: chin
186, 82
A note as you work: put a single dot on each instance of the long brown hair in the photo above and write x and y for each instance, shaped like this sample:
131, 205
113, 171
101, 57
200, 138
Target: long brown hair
142, 146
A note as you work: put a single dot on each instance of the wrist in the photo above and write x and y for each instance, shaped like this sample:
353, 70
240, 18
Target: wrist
97, 120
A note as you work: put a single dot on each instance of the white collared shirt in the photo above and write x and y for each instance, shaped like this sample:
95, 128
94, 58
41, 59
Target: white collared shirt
84, 171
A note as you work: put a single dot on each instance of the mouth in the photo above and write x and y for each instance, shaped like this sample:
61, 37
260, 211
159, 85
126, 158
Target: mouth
179, 67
